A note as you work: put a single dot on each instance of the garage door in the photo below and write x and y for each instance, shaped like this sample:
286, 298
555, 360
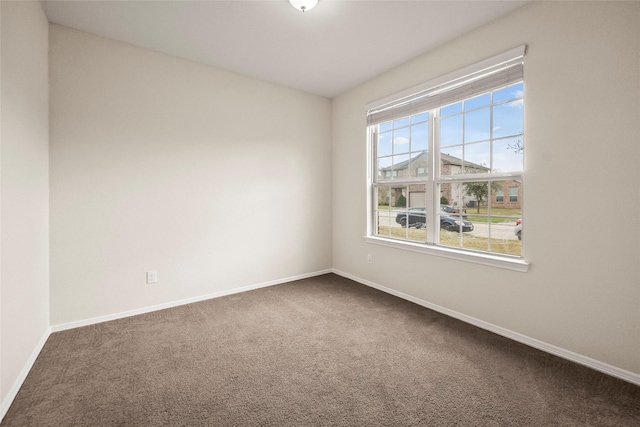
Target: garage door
417, 199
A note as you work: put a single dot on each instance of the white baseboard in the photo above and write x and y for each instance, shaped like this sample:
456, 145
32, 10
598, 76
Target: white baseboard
13, 391
532, 342
143, 310
6, 402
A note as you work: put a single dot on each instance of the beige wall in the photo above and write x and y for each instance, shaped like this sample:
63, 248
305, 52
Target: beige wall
24, 220
582, 77
215, 180
219, 181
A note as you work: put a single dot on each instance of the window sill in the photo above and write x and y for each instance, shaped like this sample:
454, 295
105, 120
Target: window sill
492, 260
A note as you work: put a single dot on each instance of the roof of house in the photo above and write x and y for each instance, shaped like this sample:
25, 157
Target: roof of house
445, 158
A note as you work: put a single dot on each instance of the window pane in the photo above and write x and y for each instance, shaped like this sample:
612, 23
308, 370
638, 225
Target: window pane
451, 109
493, 223
475, 194
451, 161
420, 137
417, 196
419, 164
384, 162
400, 212
382, 212
384, 191
477, 125
476, 241
451, 131
410, 221
397, 197
510, 92
391, 204
477, 157
508, 155
400, 166
384, 166
401, 123
500, 205
384, 127
401, 141
478, 101
423, 117
507, 120
508, 246
453, 219
384, 144
397, 212
453, 199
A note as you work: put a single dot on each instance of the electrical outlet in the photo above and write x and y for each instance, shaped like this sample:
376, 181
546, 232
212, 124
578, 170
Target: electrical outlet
152, 276
369, 258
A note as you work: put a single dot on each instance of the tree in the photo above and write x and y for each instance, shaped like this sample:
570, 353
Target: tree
480, 190
517, 147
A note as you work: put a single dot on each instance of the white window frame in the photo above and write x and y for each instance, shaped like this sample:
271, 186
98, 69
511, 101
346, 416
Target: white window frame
431, 247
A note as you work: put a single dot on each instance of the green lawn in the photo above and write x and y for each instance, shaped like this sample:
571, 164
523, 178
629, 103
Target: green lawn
498, 215
454, 239
494, 220
483, 211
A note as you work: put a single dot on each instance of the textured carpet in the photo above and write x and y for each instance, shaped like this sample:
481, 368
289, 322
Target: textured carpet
320, 351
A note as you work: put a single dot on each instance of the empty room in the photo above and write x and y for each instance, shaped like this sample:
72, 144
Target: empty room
301, 212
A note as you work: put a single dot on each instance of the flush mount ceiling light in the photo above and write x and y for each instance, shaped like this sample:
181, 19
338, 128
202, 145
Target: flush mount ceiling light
303, 5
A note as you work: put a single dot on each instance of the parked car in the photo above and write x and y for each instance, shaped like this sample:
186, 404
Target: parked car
518, 229
417, 218
452, 209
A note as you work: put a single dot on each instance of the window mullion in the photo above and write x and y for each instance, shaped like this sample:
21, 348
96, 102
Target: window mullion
432, 184
372, 180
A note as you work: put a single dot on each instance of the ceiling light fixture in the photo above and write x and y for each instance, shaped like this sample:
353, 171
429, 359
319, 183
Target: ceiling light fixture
303, 5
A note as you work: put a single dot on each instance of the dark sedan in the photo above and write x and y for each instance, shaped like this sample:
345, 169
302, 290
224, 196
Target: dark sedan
417, 219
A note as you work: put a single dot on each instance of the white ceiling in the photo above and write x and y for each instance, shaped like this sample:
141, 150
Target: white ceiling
326, 51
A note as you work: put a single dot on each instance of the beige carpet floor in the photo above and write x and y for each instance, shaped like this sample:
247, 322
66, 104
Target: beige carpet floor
324, 351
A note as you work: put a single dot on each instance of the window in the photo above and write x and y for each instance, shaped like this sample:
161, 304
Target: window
454, 148
513, 194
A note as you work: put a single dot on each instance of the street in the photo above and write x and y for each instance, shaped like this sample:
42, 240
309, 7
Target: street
480, 229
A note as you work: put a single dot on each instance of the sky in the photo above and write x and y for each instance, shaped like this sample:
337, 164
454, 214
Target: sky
467, 131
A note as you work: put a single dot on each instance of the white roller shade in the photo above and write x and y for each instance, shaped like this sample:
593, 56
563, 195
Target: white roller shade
491, 78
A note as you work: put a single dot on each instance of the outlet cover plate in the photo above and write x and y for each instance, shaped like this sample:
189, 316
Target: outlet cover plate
152, 276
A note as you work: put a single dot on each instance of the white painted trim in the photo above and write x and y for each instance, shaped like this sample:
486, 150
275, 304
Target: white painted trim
492, 260
13, 391
171, 304
540, 345
597, 365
